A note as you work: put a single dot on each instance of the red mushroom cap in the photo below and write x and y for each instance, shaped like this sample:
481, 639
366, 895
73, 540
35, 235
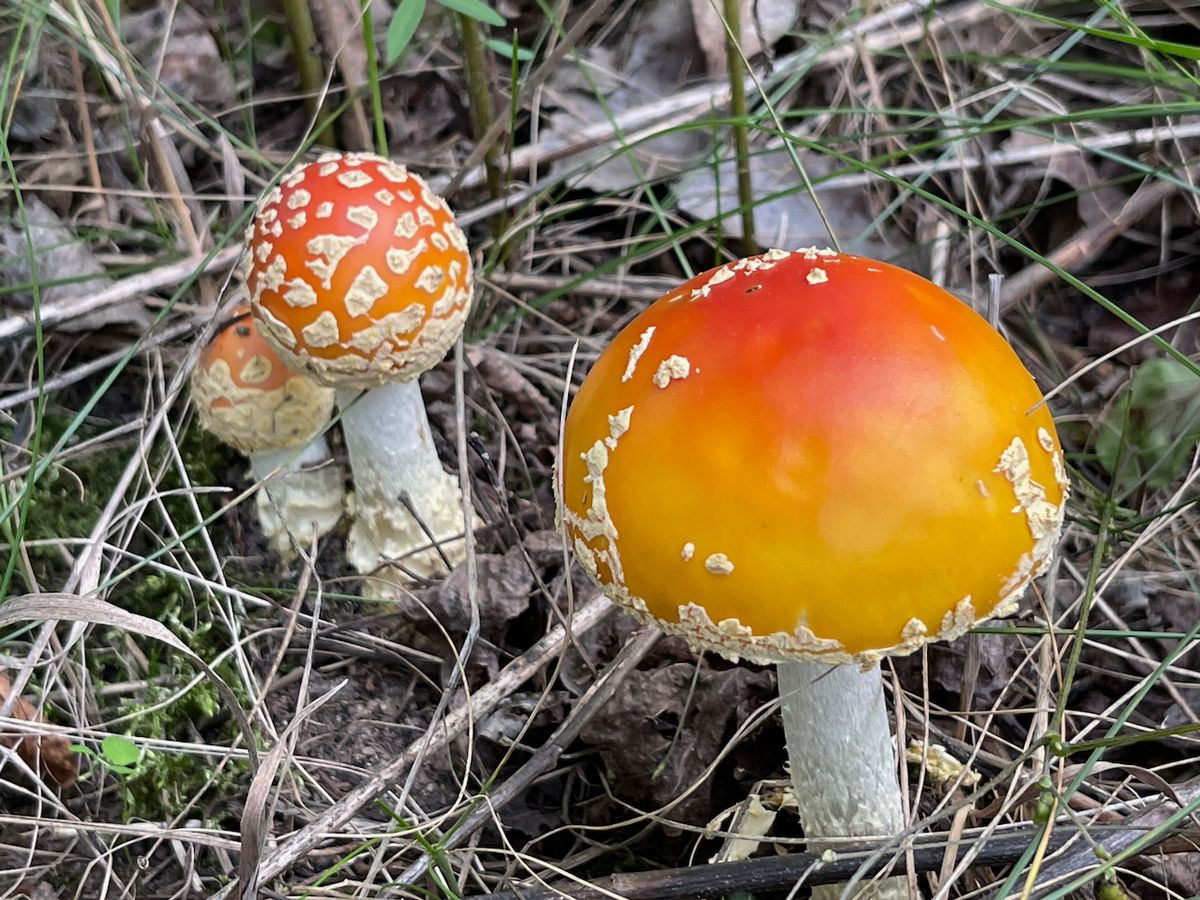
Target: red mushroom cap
357, 271
811, 455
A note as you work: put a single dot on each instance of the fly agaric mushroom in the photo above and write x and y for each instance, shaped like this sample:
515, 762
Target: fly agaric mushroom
247, 397
816, 460
359, 276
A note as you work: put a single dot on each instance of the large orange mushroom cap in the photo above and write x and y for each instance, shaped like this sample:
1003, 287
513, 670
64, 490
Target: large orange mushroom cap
811, 455
357, 271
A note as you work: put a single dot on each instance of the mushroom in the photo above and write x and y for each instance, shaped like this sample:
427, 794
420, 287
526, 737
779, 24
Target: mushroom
360, 277
247, 397
816, 460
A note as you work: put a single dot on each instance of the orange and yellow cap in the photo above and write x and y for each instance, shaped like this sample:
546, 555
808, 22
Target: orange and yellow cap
811, 455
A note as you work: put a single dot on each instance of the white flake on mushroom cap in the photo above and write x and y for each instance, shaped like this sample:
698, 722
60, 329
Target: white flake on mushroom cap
958, 621
617, 425
673, 368
322, 331
816, 276
399, 260
332, 248
1044, 519
354, 179
718, 564
298, 199
635, 353
272, 277
596, 521
366, 288
363, 216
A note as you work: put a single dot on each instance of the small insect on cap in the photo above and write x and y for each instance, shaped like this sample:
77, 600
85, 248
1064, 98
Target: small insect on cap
357, 271
811, 455
247, 397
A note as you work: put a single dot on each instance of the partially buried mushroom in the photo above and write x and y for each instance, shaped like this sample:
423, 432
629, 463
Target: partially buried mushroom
247, 397
816, 460
360, 277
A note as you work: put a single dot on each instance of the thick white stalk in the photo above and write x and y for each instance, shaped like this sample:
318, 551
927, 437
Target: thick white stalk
303, 500
843, 763
392, 455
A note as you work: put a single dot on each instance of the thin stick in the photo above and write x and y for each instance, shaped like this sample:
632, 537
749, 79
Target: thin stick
774, 873
118, 292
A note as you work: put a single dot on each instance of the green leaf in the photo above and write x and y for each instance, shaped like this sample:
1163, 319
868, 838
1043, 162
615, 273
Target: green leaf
120, 752
403, 26
1149, 435
508, 51
476, 9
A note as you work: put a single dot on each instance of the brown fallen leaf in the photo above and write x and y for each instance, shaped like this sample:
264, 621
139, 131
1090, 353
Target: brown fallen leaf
665, 727
48, 754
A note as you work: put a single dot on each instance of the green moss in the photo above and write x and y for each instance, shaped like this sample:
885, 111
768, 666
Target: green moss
66, 501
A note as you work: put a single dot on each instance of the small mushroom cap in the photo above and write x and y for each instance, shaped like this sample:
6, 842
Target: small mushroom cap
811, 455
357, 271
247, 397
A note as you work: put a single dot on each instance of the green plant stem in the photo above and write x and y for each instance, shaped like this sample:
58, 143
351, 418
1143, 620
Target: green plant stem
368, 28
308, 63
741, 137
479, 95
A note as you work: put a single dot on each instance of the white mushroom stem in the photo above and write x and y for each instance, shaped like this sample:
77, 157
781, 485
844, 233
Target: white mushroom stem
303, 497
843, 763
392, 456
